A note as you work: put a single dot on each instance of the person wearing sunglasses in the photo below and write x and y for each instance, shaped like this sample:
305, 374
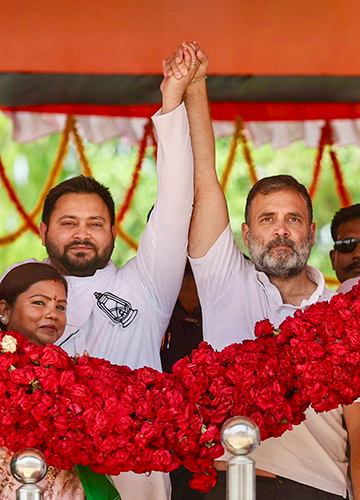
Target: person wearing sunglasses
345, 256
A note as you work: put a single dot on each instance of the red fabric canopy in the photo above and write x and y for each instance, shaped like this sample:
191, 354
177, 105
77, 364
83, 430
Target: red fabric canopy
257, 37
116, 39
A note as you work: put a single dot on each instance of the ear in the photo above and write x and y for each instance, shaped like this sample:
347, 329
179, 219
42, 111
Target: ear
245, 232
114, 231
5, 310
43, 231
312, 232
333, 258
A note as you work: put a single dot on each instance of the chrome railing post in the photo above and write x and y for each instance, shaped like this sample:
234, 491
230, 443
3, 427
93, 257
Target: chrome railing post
240, 436
29, 467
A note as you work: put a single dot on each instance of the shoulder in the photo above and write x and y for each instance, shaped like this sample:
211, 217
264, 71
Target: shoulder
348, 284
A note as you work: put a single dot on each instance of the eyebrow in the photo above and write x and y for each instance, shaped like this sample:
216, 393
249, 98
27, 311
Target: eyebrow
74, 217
45, 297
267, 214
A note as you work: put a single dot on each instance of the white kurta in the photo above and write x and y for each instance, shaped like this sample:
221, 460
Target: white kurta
234, 296
121, 314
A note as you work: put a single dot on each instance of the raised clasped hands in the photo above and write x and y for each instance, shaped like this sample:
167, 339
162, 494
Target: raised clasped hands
186, 66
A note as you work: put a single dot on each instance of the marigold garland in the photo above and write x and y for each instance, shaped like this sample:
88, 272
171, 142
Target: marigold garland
231, 158
247, 155
238, 135
14, 198
86, 170
324, 139
344, 195
136, 175
29, 223
53, 176
127, 238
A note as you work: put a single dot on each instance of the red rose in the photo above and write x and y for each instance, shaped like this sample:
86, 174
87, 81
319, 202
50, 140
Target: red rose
55, 356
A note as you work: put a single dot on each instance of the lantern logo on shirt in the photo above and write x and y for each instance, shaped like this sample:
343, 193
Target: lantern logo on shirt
116, 308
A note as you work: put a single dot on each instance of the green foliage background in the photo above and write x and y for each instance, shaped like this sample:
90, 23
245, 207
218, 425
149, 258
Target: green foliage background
28, 165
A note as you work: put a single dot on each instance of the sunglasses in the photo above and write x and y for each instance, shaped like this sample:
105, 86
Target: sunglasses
347, 245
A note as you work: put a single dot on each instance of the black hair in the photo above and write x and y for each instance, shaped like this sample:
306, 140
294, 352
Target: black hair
21, 277
343, 215
78, 185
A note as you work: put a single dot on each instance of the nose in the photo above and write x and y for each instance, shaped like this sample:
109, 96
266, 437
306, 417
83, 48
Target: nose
51, 311
81, 232
356, 252
281, 229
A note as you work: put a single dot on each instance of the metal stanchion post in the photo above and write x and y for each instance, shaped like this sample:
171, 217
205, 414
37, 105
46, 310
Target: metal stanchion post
29, 467
240, 436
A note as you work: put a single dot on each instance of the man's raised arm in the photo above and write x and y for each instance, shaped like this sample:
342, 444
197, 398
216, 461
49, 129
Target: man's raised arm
210, 215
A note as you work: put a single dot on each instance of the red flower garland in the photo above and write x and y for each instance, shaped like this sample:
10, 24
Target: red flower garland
115, 419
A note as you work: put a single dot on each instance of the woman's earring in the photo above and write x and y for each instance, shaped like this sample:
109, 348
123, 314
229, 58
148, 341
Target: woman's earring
3, 319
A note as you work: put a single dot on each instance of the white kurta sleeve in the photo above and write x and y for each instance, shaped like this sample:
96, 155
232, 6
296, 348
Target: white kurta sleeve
162, 251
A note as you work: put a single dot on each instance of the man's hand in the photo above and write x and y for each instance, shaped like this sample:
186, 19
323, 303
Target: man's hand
179, 71
177, 64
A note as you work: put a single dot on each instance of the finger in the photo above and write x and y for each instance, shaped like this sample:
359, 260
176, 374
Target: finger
192, 61
187, 58
175, 63
166, 68
180, 61
86, 353
193, 45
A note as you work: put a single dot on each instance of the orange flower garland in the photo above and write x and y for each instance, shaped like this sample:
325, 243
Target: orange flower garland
14, 198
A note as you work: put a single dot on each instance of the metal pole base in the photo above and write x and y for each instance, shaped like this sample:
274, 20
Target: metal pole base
29, 492
240, 479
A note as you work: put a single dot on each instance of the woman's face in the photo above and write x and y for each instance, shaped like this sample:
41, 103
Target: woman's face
39, 313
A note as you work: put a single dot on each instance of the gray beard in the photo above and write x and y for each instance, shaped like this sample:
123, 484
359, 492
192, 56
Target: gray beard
281, 264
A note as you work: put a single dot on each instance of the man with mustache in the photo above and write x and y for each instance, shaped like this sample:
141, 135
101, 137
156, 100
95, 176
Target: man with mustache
121, 314
345, 256
309, 461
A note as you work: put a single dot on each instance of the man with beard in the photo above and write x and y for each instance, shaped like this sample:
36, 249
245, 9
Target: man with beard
309, 461
121, 314
345, 257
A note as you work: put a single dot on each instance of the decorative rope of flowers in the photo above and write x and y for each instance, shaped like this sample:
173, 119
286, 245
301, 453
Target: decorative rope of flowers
114, 419
239, 135
86, 170
70, 127
14, 198
127, 238
148, 134
53, 176
136, 175
247, 155
326, 139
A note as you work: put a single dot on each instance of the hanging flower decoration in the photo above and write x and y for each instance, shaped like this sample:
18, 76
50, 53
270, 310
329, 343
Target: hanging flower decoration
86, 411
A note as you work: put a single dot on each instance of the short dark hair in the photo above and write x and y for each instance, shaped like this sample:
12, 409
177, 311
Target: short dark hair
277, 183
20, 278
343, 215
80, 184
